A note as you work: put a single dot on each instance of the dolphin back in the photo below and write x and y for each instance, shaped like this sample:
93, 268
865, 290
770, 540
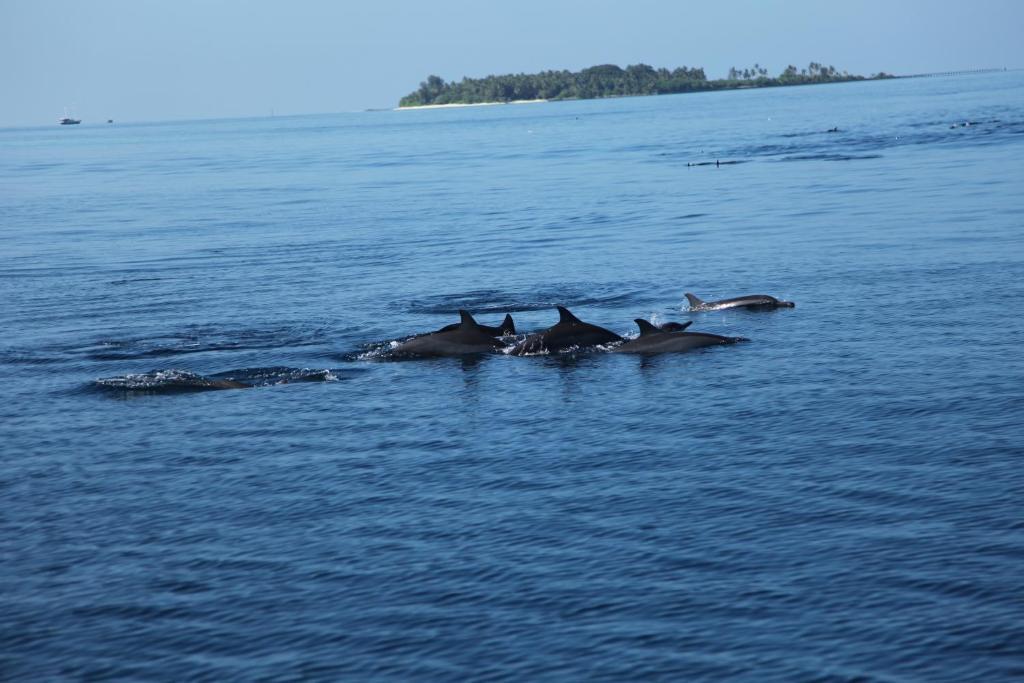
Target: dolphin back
751, 302
646, 328
568, 333
469, 337
674, 342
466, 321
506, 328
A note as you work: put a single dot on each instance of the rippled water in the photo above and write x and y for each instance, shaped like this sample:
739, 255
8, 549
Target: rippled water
838, 499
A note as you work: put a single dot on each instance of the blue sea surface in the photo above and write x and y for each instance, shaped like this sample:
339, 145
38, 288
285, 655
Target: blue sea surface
839, 499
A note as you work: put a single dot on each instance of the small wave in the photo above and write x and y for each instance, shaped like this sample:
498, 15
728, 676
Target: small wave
866, 144
385, 353
161, 352
128, 281
498, 301
375, 350
808, 133
16, 356
293, 202
201, 340
41, 166
388, 351
575, 350
830, 157
282, 375
592, 218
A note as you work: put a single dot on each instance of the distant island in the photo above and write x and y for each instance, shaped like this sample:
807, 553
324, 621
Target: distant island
609, 80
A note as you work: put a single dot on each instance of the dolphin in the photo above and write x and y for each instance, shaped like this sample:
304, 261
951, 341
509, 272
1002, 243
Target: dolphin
674, 327
507, 328
569, 332
655, 340
468, 338
751, 302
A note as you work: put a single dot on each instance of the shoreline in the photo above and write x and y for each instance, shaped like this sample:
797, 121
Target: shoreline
744, 86
465, 104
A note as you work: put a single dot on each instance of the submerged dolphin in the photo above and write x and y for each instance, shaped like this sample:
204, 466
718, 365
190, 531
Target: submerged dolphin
655, 340
568, 333
226, 384
507, 328
168, 382
674, 327
467, 338
751, 302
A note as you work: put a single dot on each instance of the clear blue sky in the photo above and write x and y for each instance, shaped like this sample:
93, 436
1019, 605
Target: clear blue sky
136, 60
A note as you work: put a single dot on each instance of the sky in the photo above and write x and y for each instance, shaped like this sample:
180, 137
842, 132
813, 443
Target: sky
146, 60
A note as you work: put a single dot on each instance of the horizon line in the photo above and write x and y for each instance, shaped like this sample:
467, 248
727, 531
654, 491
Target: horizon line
243, 117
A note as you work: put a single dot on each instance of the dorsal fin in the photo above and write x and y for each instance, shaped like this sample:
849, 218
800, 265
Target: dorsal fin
567, 318
645, 327
467, 321
694, 301
507, 325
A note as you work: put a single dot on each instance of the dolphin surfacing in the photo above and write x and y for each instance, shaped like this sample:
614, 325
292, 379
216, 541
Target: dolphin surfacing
751, 302
656, 340
466, 339
168, 382
568, 333
674, 327
507, 328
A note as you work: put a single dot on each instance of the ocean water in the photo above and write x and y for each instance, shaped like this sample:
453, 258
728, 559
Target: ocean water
837, 500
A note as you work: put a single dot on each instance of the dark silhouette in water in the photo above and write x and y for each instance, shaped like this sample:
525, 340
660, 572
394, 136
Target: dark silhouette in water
675, 327
507, 327
569, 332
717, 163
467, 338
168, 382
655, 340
175, 381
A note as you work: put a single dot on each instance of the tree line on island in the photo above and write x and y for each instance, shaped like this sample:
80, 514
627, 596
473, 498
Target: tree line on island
609, 80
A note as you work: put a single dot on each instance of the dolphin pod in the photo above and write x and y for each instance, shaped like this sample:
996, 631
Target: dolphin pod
570, 333
468, 337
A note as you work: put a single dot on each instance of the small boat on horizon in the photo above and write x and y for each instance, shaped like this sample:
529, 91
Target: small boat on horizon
67, 120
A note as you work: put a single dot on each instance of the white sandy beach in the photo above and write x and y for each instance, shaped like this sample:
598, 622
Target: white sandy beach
474, 104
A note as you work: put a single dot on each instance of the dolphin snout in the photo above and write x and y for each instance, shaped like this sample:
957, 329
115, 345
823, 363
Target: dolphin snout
787, 304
